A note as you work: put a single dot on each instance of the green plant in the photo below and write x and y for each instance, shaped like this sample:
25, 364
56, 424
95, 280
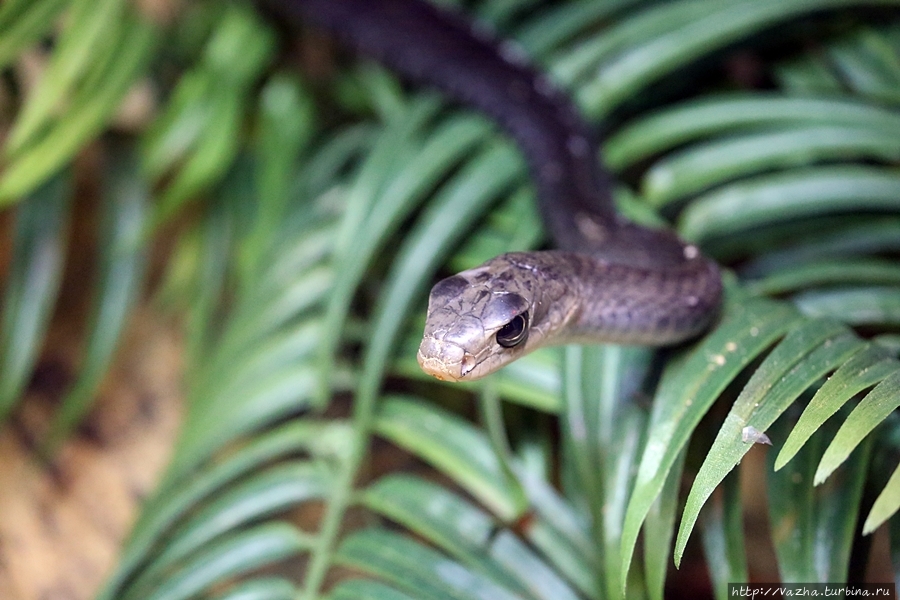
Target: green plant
306, 271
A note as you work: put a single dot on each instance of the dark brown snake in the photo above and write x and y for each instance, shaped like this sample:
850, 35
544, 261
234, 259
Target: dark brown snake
611, 280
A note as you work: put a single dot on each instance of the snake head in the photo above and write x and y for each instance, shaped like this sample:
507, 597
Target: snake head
481, 319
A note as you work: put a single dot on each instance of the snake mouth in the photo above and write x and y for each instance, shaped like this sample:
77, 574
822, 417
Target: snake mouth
444, 360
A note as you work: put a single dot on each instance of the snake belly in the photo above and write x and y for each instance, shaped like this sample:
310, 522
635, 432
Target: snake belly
609, 281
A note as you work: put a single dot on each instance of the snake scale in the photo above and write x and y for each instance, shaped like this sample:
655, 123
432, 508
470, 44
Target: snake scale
609, 280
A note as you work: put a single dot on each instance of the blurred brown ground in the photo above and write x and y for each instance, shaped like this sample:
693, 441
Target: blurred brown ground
61, 525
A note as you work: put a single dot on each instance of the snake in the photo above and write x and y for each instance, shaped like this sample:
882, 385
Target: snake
606, 280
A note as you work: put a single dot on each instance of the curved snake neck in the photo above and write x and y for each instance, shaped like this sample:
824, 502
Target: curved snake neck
616, 282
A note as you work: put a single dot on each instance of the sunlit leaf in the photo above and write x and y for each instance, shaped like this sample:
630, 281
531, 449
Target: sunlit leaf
88, 111
23, 22
89, 36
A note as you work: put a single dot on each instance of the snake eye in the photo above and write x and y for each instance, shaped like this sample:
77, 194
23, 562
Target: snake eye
514, 333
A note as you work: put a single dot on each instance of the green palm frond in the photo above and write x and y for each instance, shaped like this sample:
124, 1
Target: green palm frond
301, 279
102, 50
33, 283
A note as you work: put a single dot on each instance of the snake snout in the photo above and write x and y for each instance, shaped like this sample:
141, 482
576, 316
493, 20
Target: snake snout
441, 359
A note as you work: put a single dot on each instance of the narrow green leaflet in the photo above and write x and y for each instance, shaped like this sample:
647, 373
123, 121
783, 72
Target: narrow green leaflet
121, 277
581, 63
886, 505
266, 493
690, 386
91, 30
813, 528
533, 381
690, 171
557, 27
826, 273
679, 33
366, 589
22, 23
534, 573
464, 454
809, 75
38, 253
722, 530
176, 498
88, 111
798, 193
468, 534
451, 523
808, 352
703, 117
603, 433
855, 306
387, 188
514, 225
419, 570
262, 366
842, 237
243, 552
269, 588
865, 62
286, 124
864, 369
598, 381
453, 447
193, 143
400, 140
560, 532
872, 410
279, 394
659, 529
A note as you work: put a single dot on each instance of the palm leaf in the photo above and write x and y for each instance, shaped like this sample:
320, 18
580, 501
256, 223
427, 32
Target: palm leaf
31, 288
122, 263
93, 77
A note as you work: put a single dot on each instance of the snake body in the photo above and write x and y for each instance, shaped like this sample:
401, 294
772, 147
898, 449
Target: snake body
610, 280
